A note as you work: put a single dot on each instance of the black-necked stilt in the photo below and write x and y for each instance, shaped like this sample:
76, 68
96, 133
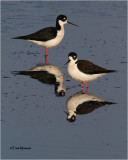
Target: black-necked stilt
83, 70
49, 74
48, 37
83, 104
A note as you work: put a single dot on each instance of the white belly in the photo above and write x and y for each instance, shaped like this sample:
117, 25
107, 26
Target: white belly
78, 99
76, 74
51, 43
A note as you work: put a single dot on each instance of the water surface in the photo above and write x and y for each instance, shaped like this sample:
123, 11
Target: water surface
32, 115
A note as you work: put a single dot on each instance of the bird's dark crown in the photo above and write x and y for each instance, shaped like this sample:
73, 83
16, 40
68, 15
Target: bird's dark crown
73, 55
62, 18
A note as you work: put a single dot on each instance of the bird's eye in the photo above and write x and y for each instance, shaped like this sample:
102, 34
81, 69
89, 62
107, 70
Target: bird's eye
74, 57
64, 19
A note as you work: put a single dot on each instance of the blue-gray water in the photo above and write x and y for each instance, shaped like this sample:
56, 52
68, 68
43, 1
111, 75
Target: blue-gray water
32, 115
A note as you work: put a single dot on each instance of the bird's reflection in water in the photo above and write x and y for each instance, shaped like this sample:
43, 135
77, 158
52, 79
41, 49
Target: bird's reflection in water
81, 103
48, 74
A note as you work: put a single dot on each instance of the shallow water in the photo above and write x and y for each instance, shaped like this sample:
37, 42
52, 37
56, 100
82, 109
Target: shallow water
32, 115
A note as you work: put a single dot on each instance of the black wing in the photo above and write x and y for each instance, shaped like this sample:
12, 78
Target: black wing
90, 106
42, 76
90, 68
41, 35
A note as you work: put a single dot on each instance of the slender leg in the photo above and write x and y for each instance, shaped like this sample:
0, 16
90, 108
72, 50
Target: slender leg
86, 84
45, 56
81, 86
86, 90
46, 52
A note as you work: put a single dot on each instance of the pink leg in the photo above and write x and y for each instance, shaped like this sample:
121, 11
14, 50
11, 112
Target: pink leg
45, 56
46, 52
86, 84
86, 90
81, 86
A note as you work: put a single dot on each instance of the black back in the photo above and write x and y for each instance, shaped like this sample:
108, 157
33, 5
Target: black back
41, 35
42, 76
90, 68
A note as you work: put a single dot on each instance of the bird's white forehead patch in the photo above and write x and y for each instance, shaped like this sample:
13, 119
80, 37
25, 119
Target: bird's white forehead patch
62, 22
72, 58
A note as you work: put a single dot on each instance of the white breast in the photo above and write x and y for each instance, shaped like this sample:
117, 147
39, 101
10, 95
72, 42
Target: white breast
76, 74
53, 70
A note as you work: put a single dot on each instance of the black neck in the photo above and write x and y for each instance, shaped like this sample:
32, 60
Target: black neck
58, 27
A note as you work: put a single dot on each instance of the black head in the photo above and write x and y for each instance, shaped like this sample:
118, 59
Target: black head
59, 92
72, 119
73, 55
60, 21
62, 18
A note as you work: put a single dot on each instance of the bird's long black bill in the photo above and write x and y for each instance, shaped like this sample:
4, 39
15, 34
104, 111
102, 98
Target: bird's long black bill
67, 62
66, 112
72, 23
